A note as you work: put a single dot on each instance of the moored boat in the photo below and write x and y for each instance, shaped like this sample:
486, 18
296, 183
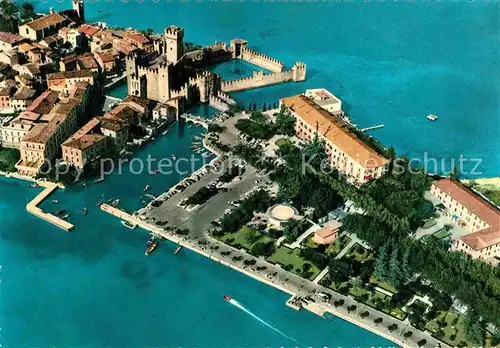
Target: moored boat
432, 117
128, 224
146, 188
177, 250
85, 211
115, 203
34, 185
151, 248
154, 172
55, 201
60, 212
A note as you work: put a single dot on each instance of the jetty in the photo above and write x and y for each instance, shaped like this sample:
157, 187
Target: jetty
33, 207
372, 128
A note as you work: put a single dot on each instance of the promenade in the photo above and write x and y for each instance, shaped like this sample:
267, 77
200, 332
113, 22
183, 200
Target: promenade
287, 282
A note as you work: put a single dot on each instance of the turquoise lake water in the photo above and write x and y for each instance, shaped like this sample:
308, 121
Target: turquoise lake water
390, 63
94, 287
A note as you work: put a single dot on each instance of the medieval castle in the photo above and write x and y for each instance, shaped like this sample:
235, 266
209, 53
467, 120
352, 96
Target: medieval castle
168, 75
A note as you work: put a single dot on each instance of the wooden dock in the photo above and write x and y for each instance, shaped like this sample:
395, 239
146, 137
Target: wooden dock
33, 208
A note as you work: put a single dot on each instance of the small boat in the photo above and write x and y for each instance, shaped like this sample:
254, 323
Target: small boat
154, 172
115, 203
151, 248
110, 200
34, 185
60, 212
143, 202
174, 157
178, 249
55, 201
65, 216
227, 298
165, 132
146, 188
97, 181
129, 225
150, 240
432, 117
99, 203
85, 211
84, 184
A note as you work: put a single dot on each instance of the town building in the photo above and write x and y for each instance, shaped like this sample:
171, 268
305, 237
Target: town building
9, 41
42, 27
5, 98
346, 152
14, 131
62, 81
85, 145
473, 212
328, 233
22, 99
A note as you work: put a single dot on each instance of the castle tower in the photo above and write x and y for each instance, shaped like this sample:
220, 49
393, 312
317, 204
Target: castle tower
78, 6
174, 37
238, 46
164, 82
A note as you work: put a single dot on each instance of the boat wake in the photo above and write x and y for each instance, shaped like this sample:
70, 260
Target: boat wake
240, 306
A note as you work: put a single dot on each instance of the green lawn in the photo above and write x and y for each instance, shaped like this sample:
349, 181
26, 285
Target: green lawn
8, 159
429, 223
286, 256
450, 329
335, 248
494, 195
379, 297
442, 233
383, 285
239, 239
283, 142
359, 253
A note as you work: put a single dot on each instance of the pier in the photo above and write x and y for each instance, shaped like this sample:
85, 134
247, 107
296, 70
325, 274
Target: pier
33, 208
372, 128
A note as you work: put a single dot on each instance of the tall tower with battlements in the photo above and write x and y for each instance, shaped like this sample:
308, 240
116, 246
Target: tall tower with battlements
78, 7
174, 37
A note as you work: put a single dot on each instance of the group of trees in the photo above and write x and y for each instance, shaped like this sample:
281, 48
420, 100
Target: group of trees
8, 159
257, 202
295, 228
392, 267
258, 126
202, 195
10, 14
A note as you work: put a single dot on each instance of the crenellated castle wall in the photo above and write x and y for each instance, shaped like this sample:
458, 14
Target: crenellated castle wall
259, 79
261, 60
218, 103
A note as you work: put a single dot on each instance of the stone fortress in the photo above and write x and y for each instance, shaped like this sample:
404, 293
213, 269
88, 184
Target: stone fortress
168, 75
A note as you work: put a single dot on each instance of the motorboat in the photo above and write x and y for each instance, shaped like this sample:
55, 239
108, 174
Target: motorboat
151, 248
146, 188
154, 172
34, 185
85, 211
55, 201
174, 157
129, 224
227, 298
432, 117
150, 240
99, 203
65, 216
177, 250
115, 203
165, 132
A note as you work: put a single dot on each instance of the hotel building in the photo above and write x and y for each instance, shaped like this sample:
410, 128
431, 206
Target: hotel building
346, 152
479, 216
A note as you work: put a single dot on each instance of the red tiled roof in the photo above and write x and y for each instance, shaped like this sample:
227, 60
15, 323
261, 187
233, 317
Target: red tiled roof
88, 30
46, 21
138, 37
475, 204
10, 38
334, 131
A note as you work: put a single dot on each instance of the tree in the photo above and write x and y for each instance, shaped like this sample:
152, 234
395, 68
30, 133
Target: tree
392, 327
394, 274
391, 154
474, 328
380, 267
252, 236
263, 249
407, 334
422, 342
378, 320
364, 314
285, 122
405, 271
351, 308
339, 270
